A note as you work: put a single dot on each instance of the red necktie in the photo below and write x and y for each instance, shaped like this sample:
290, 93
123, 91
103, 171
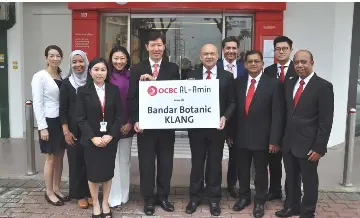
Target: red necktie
299, 92
156, 70
249, 96
208, 74
282, 73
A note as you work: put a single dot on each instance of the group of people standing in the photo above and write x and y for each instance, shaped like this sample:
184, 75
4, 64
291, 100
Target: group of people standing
93, 112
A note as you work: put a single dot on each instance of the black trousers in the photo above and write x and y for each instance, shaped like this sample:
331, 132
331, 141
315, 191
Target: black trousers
245, 157
206, 145
78, 183
232, 173
294, 168
275, 168
155, 145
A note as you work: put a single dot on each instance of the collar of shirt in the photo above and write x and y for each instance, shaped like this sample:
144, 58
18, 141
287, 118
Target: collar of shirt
256, 78
100, 88
153, 62
226, 63
286, 65
213, 70
307, 79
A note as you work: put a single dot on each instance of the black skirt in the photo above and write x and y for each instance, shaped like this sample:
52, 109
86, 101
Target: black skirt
56, 143
100, 161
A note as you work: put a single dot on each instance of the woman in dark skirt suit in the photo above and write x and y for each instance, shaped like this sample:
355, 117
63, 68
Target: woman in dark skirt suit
45, 87
99, 116
78, 184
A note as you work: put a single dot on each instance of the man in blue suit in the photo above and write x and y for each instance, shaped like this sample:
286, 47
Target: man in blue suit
230, 46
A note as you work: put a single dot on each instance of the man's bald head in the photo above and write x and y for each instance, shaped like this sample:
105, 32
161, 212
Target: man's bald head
303, 63
306, 52
209, 55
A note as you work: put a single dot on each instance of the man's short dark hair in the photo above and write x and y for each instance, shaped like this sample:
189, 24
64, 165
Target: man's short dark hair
283, 39
230, 39
154, 35
252, 52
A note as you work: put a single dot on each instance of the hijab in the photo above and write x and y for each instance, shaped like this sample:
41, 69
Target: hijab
78, 79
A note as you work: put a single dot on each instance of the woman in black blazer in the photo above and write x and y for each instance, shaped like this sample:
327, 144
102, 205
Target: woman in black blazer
78, 184
99, 116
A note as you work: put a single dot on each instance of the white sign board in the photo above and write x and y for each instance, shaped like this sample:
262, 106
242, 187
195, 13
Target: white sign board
179, 104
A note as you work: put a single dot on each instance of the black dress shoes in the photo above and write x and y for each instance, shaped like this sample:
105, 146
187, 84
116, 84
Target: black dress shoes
258, 210
215, 209
234, 193
149, 209
288, 212
274, 196
241, 204
191, 207
165, 205
58, 203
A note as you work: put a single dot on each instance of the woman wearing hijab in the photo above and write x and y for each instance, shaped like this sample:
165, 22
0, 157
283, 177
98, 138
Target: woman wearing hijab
78, 187
119, 64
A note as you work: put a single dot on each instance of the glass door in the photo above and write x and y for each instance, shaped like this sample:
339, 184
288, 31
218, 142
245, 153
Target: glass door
184, 35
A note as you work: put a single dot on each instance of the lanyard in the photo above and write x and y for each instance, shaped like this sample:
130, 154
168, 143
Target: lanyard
102, 107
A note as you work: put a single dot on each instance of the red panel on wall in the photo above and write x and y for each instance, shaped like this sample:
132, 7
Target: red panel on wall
265, 25
252, 6
86, 32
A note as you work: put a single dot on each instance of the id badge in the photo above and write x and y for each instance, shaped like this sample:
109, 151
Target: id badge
103, 126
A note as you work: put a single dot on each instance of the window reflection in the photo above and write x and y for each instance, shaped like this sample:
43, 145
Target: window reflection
115, 32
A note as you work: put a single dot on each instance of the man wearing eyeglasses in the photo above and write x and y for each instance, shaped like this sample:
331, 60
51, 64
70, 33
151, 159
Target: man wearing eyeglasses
260, 111
283, 70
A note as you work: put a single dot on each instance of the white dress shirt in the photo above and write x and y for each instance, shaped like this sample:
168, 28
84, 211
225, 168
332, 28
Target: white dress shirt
256, 84
213, 72
100, 92
234, 68
286, 67
306, 80
152, 66
45, 94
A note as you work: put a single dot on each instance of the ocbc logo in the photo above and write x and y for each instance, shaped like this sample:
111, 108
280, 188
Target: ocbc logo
168, 90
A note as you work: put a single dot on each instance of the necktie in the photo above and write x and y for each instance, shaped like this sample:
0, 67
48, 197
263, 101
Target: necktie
282, 73
230, 68
249, 96
208, 76
299, 92
156, 70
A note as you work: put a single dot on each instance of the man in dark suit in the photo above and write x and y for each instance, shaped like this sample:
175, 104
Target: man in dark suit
260, 126
209, 143
230, 46
310, 111
153, 144
283, 70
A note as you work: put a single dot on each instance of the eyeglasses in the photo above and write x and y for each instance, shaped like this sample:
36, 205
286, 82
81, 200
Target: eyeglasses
284, 49
254, 61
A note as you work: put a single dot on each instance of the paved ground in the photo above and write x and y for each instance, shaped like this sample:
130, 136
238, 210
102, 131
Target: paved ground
13, 164
25, 198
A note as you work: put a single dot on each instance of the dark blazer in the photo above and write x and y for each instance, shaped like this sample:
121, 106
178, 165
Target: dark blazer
309, 124
67, 108
264, 124
241, 70
168, 71
272, 71
226, 90
89, 113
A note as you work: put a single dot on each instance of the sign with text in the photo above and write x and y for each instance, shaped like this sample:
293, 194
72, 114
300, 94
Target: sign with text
179, 104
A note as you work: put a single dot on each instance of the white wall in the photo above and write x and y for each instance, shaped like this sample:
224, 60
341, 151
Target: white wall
325, 29
16, 76
37, 26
